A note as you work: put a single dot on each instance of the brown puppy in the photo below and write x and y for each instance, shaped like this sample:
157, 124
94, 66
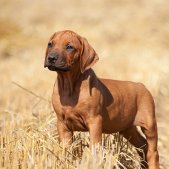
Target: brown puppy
84, 102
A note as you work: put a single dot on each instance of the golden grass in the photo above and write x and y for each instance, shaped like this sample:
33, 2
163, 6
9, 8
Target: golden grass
34, 144
131, 38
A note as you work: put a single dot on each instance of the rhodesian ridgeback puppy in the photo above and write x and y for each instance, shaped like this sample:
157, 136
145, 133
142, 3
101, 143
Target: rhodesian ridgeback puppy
84, 102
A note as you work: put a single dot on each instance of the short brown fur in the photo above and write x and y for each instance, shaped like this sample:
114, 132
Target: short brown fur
84, 102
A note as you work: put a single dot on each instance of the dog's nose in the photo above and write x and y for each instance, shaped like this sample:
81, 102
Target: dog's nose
52, 58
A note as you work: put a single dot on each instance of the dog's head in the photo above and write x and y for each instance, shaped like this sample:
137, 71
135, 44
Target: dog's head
66, 49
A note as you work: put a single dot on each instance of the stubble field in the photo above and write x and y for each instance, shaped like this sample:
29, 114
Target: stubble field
132, 41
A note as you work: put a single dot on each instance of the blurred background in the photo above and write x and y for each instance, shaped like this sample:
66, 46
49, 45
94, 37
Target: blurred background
131, 38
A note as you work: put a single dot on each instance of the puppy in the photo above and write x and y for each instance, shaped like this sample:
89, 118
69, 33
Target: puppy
84, 102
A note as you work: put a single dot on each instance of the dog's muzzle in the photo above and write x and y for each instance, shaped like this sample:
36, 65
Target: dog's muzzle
55, 63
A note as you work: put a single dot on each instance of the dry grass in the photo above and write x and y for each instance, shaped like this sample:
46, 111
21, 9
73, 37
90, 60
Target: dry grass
34, 144
131, 37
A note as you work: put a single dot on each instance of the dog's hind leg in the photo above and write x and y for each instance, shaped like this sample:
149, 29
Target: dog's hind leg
145, 118
150, 132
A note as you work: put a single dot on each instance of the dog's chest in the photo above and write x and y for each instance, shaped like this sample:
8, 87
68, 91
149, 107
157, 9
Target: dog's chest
71, 113
75, 110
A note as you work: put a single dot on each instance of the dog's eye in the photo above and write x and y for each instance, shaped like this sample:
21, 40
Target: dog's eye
69, 47
50, 45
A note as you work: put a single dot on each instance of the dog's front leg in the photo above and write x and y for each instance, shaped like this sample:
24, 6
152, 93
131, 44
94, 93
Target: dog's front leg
95, 131
65, 135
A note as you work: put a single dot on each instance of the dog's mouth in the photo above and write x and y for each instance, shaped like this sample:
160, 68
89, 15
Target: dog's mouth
57, 68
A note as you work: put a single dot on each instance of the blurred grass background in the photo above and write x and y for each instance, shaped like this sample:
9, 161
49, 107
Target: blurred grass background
131, 38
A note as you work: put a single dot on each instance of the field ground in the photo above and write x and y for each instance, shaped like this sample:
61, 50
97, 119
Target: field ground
131, 38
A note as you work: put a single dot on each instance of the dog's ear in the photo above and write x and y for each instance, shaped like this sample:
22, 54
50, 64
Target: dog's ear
88, 56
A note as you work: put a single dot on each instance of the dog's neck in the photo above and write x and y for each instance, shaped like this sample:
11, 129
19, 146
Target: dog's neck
67, 81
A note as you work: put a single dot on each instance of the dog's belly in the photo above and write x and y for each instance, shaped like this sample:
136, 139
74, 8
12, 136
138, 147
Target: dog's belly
76, 123
117, 119
115, 125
